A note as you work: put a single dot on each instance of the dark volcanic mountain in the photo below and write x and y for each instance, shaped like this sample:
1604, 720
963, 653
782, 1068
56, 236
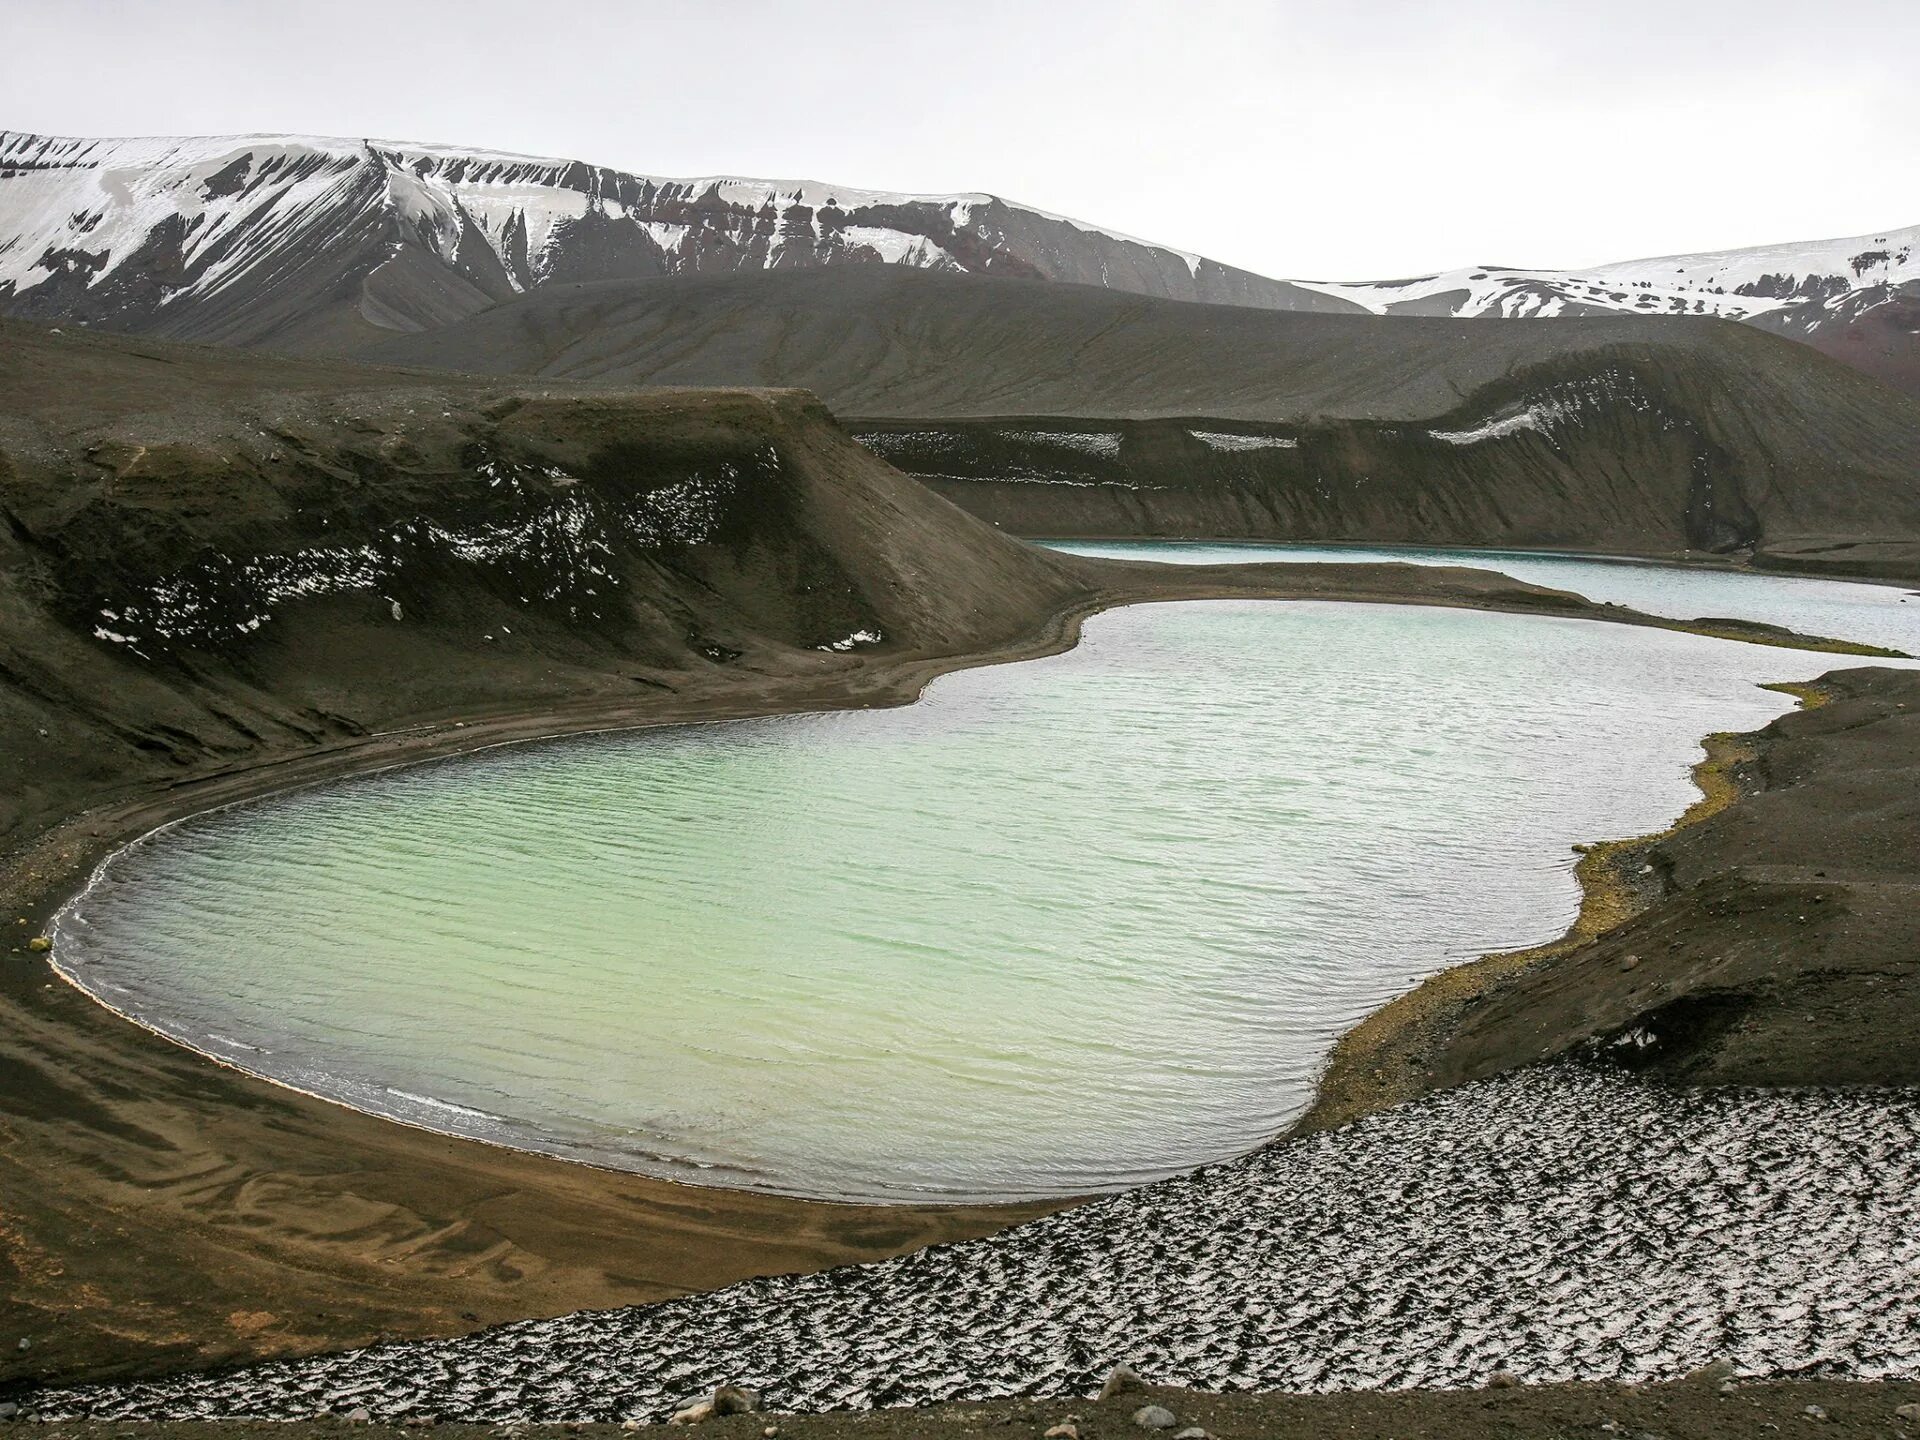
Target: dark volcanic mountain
1625, 433
310, 244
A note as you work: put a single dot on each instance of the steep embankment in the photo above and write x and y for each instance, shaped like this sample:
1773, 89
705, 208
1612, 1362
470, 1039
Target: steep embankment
206, 554
1060, 410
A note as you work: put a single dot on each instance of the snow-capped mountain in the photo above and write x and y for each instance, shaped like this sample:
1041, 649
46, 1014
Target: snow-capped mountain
308, 243
1735, 284
1856, 298
301, 240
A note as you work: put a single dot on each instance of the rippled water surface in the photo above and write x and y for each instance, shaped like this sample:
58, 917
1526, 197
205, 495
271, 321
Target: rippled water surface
1062, 925
1883, 615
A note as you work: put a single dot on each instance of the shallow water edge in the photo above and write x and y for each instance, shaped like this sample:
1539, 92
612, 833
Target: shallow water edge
1381, 1062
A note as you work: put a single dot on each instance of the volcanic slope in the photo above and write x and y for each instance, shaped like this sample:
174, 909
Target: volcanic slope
206, 551
220, 574
316, 244
1069, 410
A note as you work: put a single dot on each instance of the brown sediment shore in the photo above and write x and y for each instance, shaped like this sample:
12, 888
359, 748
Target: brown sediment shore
1769, 942
1387, 1057
164, 1212
1697, 1408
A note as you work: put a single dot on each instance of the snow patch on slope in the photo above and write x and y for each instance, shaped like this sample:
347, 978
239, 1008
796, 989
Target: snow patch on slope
1890, 258
1539, 416
1103, 444
1225, 440
95, 203
898, 248
564, 549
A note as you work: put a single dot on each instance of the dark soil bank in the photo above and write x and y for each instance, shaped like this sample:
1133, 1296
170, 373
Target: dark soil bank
1786, 947
1558, 459
1775, 942
1687, 1410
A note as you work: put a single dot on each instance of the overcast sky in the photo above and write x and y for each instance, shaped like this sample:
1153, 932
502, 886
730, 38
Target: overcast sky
1337, 139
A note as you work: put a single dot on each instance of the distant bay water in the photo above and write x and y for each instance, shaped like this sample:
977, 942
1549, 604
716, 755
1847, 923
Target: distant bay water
1884, 615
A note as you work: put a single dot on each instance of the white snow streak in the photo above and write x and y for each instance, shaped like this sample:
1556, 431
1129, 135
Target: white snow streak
1541, 416
1223, 440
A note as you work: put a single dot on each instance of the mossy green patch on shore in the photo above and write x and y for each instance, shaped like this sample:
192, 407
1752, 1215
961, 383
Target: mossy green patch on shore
1754, 633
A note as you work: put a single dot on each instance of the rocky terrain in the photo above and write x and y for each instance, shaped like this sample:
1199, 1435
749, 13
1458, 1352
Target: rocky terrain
1564, 1224
1774, 930
1703, 1407
204, 553
1064, 410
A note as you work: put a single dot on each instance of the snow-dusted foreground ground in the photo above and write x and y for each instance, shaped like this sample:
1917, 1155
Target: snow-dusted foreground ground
1560, 1224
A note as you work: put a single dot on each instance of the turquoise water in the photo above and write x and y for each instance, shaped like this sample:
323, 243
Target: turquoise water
1062, 925
1883, 615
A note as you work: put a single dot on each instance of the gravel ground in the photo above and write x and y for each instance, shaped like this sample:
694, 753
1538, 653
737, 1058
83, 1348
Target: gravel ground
1559, 1224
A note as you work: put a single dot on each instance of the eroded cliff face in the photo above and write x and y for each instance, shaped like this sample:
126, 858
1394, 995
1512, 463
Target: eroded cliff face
1057, 409
1626, 454
284, 556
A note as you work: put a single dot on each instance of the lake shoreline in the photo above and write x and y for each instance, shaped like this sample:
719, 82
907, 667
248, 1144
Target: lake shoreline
1766, 938
169, 1214
1386, 1058
1708, 560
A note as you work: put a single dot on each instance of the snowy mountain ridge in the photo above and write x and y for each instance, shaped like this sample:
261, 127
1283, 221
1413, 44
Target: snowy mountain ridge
144, 230
1735, 284
1856, 298
318, 243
